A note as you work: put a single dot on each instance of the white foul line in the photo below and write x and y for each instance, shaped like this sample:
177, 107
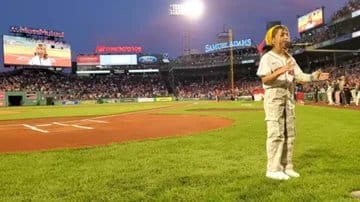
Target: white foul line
35, 128
60, 124
48, 124
73, 125
83, 127
95, 121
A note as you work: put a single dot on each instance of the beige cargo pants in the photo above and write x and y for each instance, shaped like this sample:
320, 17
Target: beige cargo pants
280, 122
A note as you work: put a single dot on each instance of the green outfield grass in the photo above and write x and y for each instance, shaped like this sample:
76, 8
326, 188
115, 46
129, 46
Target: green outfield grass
220, 165
13, 113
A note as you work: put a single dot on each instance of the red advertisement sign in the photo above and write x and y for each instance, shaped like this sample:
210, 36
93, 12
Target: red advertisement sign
88, 60
2, 97
118, 49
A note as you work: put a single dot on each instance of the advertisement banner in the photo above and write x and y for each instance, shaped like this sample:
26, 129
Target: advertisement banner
225, 45
147, 59
31, 96
246, 98
355, 34
35, 52
2, 97
118, 59
70, 102
145, 99
88, 60
33, 31
108, 100
118, 49
187, 99
87, 102
128, 100
163, 99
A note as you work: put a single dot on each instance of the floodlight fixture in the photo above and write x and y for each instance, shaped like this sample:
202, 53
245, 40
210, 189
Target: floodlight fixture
190, 8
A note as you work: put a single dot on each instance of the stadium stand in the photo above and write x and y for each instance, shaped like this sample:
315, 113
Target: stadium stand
200, 76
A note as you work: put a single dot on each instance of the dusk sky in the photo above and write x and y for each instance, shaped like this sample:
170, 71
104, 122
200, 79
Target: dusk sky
146, 23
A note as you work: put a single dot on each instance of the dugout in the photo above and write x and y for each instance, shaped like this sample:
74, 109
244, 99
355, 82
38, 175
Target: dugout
20, 98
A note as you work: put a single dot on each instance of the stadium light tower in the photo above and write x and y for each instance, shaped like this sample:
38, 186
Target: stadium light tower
231, 63
191, 9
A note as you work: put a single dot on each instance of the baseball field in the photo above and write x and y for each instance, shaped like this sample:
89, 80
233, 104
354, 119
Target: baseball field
172, 151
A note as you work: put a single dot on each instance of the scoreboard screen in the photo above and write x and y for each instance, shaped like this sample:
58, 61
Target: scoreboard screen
35, 52
118, 59
311, 20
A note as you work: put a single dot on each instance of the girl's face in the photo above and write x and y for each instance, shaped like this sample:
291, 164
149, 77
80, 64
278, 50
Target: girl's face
281, 37
40, 50
309, 19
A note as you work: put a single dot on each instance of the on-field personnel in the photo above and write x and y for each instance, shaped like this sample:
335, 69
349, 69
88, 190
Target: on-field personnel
278, 71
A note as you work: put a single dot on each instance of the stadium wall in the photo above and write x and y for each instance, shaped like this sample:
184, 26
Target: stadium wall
20, 98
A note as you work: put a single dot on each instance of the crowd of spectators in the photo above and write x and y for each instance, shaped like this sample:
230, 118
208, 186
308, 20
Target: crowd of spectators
66, 86
346, 75
326, 32
220, 57
210, 89
70, 87
343, 86
351, 6
319, 35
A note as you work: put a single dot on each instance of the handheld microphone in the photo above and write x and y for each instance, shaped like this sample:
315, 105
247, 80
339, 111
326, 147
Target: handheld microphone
288, 44
302, 44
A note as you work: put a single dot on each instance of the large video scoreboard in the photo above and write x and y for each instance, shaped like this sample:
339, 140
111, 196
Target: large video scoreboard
35, 47
35, 52
311, 20
103, 63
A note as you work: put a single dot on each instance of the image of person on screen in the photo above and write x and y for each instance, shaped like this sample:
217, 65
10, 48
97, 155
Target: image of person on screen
310, 23
40, 56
